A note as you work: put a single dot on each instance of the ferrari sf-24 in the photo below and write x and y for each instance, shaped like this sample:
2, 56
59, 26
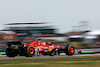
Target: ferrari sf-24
30, 49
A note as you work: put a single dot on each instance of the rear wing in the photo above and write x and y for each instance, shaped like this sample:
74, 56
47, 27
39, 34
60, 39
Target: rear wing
14, 42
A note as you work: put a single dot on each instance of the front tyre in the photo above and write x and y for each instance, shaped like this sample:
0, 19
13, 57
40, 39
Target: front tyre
69, 50
29, 51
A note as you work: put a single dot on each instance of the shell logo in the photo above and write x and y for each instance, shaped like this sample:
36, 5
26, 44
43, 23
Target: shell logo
50, 49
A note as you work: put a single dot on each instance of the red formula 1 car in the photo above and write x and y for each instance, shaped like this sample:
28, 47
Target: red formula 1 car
29, 49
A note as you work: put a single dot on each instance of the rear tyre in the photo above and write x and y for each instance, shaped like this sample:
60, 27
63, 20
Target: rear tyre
9, 53
29, 51
69, 50
21, 52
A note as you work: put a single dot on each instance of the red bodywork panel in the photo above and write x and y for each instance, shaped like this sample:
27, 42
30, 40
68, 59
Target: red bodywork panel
42, 47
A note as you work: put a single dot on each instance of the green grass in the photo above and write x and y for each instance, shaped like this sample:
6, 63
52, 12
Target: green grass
60, 63
29, 62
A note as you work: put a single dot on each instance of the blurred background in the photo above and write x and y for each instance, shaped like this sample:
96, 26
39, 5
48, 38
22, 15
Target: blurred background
59, 21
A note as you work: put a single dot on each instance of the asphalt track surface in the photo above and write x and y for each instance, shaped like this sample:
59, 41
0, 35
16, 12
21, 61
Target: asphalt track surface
94, 54
5, 57
54, 58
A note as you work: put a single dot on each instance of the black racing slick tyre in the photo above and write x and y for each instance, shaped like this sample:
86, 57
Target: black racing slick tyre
9, 53
29, 51
69, 50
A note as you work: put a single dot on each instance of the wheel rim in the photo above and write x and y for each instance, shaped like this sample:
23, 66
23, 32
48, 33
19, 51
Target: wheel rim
71, 50
31, 50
